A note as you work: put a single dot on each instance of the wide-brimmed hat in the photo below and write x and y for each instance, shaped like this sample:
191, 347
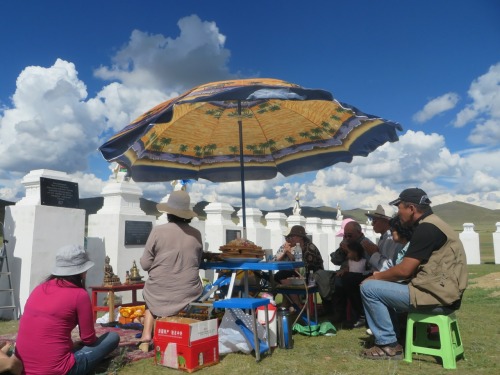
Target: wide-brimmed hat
379, 213
297, 230
71, 260
412, 195
178, 204
340, 233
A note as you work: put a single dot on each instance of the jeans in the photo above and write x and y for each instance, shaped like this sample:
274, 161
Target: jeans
88, 357
381, 300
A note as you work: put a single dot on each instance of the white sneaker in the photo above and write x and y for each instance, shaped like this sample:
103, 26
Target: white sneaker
369, 332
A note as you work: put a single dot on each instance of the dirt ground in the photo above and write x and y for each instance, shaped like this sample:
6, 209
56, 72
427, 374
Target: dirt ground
489, 281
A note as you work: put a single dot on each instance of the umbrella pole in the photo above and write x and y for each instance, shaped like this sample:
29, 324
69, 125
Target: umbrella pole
242, 171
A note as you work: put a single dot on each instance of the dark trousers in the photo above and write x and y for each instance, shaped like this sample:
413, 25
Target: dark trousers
347, 289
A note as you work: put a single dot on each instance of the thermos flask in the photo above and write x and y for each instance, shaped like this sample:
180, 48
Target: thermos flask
285, 340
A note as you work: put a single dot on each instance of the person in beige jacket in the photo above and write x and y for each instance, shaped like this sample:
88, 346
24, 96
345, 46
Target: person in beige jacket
434, 269
172, 257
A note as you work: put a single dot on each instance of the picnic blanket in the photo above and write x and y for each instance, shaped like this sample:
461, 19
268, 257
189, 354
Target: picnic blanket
127, 340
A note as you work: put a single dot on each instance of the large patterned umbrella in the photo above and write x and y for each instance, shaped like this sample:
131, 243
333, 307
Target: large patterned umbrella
247, 129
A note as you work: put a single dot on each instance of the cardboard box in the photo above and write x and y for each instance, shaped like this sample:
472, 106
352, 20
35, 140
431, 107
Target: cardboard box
184, 331
186, 344
188, 358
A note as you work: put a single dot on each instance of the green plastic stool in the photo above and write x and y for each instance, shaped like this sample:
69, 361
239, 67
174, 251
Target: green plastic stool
449, 346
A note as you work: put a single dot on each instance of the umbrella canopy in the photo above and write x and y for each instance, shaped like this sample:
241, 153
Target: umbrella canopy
248, 129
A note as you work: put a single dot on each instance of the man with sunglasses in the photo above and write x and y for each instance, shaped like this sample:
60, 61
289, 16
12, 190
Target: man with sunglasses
377, 257
434, 268
347, 285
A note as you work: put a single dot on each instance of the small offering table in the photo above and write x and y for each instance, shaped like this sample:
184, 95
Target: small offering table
111, 290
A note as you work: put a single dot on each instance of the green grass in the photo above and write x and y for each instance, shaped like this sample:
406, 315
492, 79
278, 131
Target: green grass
478, 322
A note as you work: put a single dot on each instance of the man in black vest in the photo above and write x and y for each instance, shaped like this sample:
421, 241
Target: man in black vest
432, 273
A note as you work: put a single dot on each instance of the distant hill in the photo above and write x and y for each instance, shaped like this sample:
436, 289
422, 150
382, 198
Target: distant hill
92, 205
458, 213
454, 213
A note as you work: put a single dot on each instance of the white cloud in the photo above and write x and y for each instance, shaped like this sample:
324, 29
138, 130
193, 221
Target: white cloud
487, 133
481, 173
88, 184
485, 95
436, 106
416, 160
123, 104
50, 126
196, 56
54, 125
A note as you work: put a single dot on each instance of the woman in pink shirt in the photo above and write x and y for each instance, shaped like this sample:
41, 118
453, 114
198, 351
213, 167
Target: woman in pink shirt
52, 311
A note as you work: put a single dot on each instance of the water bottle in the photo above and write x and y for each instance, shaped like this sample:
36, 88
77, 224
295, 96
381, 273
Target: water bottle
297, 253
285, 340
310, 280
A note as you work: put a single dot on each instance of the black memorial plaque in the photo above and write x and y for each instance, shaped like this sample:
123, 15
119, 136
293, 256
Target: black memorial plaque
232, 234
59, 193
137, 232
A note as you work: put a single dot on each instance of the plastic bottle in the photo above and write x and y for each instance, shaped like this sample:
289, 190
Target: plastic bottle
297, 252
285, 339
310, 280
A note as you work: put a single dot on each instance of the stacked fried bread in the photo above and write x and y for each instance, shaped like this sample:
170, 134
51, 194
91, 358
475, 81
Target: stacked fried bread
241, 248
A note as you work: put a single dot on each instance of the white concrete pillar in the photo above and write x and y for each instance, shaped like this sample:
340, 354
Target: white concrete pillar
219, 230
367, 230
327, 226
276, 223
337, 226
470, 240
320, 239
496, 244
295, 220
119, 219
256, 232
219, 227
35, 232
162, 219
336, 229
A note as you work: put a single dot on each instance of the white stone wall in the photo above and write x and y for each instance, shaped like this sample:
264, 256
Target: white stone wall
35, 232
496, 243
470, 240
106, 232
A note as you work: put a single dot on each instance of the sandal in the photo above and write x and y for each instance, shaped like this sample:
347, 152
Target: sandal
145, 346
383, 352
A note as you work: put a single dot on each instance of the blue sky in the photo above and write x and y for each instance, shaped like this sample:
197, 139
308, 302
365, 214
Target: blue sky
75, 72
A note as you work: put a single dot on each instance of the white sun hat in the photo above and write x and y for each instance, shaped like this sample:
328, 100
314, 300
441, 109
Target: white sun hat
178, 204
71, 260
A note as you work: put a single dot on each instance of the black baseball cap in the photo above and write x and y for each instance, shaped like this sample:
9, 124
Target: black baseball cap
412, 195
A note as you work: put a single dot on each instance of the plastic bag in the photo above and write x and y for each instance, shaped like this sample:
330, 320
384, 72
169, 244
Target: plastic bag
324, 329
231, 337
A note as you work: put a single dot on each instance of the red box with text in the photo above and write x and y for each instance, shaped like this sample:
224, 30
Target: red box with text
186, 344
187, 357
185, 331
